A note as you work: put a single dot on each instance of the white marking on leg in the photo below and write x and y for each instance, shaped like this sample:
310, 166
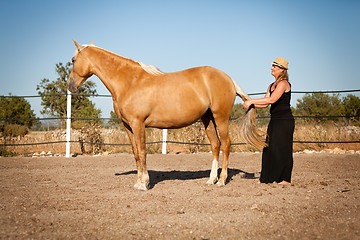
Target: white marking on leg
213, 174
137, 184
220, 183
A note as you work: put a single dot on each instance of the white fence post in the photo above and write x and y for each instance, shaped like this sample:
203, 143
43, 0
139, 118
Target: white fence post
68, 124
164, 141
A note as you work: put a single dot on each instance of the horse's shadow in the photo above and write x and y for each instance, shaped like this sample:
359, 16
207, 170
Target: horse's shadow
160, 176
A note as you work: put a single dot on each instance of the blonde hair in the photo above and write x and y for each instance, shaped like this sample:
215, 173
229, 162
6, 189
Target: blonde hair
283, 75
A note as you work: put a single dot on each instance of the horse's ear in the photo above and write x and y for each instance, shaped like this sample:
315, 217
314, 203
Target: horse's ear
92, 43
78, 46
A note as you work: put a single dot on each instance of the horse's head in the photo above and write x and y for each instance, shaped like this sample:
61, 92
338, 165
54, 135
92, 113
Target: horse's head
81, 68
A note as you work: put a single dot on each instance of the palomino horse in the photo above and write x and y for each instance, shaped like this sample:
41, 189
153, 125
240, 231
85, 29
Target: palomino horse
143, 96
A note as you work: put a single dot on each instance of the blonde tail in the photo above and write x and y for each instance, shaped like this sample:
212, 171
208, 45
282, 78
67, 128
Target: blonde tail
248, 122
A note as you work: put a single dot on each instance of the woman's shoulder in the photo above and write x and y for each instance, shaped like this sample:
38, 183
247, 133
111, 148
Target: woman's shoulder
286, 84
283, 82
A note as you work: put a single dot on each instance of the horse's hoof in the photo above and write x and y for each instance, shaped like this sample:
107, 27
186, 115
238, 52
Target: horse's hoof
211, 181
142, 189
141, 186
137, 185
220, 183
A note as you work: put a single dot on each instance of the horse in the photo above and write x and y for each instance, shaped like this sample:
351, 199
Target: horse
143, 96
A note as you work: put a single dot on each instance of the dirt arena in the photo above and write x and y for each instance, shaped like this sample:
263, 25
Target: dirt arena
92, 197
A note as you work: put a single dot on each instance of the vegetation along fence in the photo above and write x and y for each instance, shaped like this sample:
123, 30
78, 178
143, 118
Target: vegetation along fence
164, 141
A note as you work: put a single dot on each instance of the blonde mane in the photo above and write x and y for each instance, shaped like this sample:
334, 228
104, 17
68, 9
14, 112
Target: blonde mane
147, 68
151, 69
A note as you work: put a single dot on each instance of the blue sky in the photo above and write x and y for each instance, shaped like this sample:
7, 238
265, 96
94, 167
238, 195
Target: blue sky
319, 38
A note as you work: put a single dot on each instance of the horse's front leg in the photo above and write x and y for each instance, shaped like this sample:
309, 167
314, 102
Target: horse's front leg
139, 140
136, 155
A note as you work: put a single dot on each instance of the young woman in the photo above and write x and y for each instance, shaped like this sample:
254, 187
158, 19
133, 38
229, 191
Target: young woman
277, 158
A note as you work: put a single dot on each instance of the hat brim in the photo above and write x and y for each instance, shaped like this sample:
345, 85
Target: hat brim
279, 65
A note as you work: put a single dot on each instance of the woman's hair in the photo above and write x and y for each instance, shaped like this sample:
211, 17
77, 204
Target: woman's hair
284, 75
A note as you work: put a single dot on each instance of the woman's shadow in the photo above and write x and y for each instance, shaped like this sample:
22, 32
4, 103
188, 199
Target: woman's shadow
160, 176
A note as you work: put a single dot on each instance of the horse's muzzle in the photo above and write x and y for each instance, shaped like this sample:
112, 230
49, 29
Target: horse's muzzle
71, 86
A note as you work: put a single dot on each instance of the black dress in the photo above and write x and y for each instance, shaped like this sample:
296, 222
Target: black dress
277, 158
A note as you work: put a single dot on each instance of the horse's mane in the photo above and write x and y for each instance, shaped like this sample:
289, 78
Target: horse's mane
147, 68
151, 69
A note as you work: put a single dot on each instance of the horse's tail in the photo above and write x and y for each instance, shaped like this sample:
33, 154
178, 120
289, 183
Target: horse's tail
248, 122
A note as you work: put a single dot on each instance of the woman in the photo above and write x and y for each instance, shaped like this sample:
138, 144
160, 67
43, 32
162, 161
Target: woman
277, 158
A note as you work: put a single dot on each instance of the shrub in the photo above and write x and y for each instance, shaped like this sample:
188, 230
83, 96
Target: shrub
13, 130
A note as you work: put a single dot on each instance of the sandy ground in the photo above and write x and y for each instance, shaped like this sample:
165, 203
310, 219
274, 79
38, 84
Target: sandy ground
90, 197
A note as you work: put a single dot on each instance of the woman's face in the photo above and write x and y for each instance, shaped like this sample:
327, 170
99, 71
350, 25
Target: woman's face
276, 71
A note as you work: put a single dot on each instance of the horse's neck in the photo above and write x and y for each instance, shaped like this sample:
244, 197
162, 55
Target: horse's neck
116, 72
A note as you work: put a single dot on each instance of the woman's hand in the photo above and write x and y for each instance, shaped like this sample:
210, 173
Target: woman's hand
247, 104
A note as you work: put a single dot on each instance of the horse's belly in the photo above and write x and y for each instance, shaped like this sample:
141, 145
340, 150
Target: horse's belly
174, 118
180, 108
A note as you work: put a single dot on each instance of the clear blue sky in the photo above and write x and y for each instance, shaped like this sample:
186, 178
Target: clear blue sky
319, 38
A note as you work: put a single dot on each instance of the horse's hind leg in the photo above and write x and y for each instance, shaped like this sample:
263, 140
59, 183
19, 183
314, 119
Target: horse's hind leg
211, 133
223, 127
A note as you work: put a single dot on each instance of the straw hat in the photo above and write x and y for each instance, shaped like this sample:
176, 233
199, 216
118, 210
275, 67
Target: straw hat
281, 62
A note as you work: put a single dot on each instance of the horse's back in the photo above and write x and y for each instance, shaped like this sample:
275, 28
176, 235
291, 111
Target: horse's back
204, 79
208, 84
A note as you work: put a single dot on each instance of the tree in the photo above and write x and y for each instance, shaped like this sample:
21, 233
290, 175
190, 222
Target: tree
54, 102
17, 108
319, 104
351, 106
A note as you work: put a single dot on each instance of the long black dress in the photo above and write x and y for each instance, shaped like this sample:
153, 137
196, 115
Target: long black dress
277, 158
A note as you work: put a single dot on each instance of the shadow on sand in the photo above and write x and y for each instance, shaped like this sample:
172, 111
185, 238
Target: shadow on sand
160, 176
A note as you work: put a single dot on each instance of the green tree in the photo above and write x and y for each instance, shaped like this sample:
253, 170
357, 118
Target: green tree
54, 102
319, 104
351, 107
14, 108
17, 108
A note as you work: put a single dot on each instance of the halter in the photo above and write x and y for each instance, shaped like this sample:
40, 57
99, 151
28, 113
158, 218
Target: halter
79, 51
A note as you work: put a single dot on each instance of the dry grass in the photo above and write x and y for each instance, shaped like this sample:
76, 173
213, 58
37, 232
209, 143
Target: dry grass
325, 132
193, 134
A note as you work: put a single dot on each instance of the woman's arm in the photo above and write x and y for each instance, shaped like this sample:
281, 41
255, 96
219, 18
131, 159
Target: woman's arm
267, 100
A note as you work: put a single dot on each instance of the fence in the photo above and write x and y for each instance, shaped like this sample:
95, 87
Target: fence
164, 141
